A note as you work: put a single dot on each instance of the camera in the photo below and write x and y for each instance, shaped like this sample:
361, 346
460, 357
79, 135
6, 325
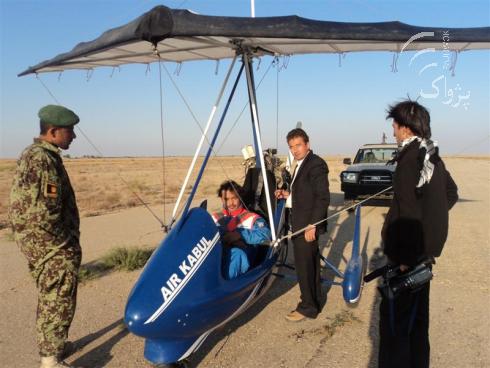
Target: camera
395, 281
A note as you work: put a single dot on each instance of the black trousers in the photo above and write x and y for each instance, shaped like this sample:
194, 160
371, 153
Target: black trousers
405, 344
307, 263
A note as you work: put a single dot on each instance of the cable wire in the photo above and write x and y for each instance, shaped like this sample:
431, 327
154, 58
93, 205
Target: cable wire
276, 59
278, 241
213, 151
243, 110
47, 89
118, 172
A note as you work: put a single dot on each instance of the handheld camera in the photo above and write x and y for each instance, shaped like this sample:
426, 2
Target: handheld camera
395, 281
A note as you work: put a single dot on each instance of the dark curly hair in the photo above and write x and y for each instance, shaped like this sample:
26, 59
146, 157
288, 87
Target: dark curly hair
413, 115
231, 186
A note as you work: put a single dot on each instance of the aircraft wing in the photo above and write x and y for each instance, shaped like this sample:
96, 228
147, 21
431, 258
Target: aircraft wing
180, 35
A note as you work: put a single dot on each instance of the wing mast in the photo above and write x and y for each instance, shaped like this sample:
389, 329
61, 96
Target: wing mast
247, 61
199, 146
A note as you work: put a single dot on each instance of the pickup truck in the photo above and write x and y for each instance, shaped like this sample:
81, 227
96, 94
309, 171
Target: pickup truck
370, 171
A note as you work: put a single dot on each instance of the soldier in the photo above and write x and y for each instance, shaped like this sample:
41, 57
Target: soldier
44, 218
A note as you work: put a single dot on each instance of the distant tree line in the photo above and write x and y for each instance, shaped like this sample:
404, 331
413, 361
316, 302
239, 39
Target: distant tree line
84, 156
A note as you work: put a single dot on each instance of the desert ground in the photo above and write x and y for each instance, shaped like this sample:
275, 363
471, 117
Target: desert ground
341, 336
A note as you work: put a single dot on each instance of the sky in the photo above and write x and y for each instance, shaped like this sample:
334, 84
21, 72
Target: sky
341, 103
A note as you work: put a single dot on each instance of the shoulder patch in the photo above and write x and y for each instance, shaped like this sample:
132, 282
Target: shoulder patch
51, 190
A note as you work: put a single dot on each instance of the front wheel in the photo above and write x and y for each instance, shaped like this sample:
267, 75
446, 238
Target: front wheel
181, 364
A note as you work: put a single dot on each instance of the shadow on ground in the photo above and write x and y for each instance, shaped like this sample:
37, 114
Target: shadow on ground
100, 355
344, 233
279, 287
377, 260
468, 200
336, 247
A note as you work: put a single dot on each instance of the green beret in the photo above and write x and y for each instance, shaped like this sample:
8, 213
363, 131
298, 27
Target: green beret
58, 116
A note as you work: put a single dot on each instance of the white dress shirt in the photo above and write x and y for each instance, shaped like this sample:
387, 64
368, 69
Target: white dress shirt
289, 200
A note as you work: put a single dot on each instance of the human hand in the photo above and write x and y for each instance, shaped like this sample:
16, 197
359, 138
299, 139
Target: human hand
403, 268
310, 233
281, 194
231, 237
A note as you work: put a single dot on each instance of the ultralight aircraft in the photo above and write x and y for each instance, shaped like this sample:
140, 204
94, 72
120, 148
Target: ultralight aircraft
181, 295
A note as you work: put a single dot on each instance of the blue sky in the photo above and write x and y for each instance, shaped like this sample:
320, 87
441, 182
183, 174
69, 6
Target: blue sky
341, 107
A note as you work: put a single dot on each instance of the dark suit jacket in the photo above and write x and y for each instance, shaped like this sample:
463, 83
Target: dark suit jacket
417, 221
311, 195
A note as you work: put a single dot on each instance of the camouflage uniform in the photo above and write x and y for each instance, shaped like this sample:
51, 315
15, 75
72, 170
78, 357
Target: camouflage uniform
272, 163
45, 221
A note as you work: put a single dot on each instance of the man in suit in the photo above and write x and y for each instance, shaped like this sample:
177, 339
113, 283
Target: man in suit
307, 198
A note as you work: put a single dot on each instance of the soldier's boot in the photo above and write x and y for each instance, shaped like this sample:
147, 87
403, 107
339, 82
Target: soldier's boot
53, 362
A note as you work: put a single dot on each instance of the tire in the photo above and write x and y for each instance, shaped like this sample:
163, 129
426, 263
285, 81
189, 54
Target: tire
181, 364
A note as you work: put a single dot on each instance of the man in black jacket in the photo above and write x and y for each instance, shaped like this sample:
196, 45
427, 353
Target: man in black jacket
308, 198
414, 230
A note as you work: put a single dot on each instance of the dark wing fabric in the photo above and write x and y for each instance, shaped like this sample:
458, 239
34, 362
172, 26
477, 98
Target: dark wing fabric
180, 35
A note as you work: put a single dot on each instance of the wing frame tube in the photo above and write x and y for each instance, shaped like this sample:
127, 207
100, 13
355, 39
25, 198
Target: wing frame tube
201, 142
257, 138
211, 146
352, 283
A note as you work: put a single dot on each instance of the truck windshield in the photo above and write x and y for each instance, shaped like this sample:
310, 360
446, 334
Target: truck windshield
374, 155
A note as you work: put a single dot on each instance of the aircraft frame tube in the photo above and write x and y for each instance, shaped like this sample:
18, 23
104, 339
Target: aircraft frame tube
211, 146
332, 267
352, 283
255, 119
357, 233
203, 136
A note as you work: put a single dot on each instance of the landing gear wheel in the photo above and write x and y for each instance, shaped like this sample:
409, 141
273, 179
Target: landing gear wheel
181, 364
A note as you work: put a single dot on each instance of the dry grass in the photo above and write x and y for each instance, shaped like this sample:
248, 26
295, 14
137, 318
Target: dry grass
108, 184
327, 330
7, 168
117, 259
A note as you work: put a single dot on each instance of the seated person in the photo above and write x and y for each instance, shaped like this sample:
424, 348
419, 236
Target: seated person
370, 158
241, 231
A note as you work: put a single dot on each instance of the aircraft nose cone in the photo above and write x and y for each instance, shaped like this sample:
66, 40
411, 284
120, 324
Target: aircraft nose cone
134, 319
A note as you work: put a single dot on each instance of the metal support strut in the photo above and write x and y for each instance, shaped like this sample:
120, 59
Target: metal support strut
247, 61
211, 145
199, 146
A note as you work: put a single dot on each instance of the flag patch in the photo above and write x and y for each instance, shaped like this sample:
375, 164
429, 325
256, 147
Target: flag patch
51, 190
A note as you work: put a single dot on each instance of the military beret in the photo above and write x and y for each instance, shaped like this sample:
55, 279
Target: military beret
58, 116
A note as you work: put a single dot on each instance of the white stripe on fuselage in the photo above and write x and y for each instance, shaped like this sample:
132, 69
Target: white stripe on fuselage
203, 337
188, 271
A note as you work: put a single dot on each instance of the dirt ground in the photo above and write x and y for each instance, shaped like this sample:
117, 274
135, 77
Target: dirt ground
341, 336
